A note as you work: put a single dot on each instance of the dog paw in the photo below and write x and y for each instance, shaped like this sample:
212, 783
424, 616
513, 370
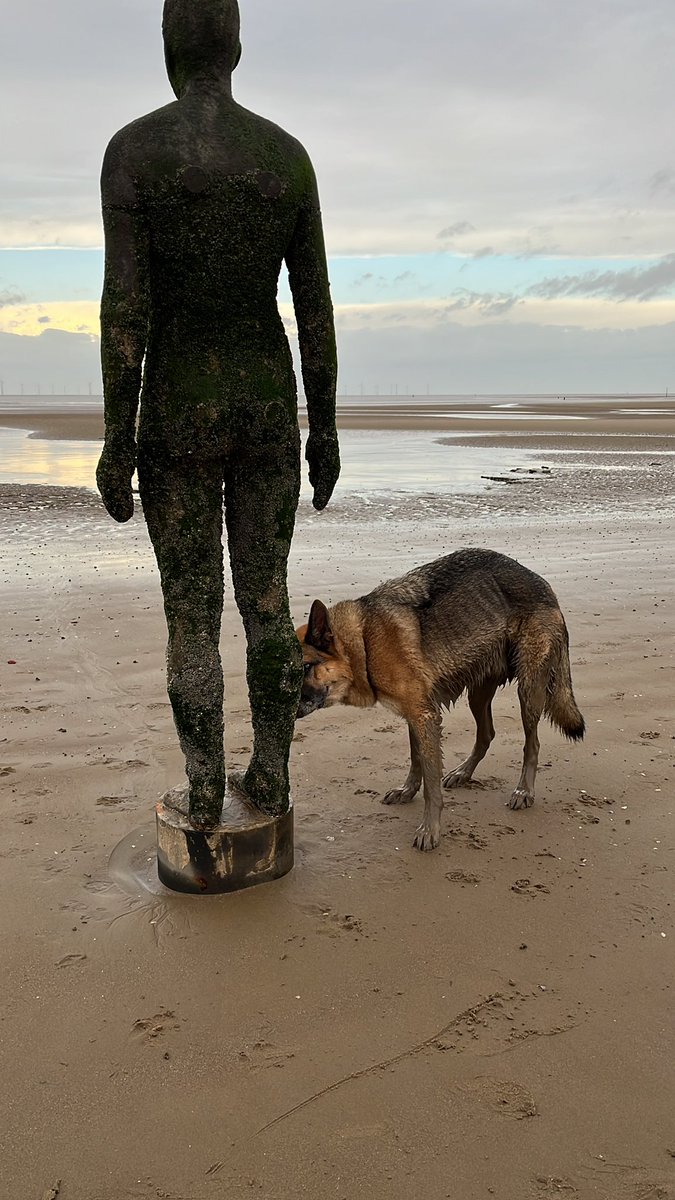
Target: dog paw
521, 798
426, 839
456, 778
399, 796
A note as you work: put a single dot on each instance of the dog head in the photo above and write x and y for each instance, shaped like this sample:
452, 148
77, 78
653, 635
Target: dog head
328, 676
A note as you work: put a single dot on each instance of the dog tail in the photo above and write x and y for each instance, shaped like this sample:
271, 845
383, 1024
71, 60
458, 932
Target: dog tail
561, 707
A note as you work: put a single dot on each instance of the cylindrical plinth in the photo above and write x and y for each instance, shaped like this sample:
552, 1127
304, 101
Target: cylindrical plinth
247, 848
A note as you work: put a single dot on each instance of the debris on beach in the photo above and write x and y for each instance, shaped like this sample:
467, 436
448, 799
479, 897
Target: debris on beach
502, 479
531, 470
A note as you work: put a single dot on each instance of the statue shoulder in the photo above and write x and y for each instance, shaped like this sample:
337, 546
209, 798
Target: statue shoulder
288, 146
129, 151
135, 140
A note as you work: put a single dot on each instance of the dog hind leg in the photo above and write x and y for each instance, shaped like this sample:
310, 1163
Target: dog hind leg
532, 696
411, 787
480, 703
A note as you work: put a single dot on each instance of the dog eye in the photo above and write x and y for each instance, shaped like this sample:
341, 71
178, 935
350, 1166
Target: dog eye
307, 668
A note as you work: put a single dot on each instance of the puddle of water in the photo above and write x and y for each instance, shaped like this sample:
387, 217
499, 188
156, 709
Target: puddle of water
647, 412
513, 414
24, 459
132, 866
372, 461
408, 461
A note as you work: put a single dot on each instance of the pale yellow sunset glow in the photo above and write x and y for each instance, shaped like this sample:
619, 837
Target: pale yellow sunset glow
72, 316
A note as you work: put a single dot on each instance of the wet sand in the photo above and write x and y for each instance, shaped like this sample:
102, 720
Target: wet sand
492, 1019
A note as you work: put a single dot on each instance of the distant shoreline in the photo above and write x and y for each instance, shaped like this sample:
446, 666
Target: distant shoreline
80, 418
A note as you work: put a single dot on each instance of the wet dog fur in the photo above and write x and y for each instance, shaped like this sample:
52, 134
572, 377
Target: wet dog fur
472, 621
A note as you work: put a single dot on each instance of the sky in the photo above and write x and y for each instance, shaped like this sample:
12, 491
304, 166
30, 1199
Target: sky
497, 181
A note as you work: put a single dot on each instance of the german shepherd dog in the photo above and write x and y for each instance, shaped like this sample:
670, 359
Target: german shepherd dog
472, 621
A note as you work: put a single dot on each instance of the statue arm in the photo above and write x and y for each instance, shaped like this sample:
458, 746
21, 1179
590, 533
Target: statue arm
310, 288
124, 324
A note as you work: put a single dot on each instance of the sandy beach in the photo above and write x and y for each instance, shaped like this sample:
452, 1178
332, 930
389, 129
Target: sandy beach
492, 1019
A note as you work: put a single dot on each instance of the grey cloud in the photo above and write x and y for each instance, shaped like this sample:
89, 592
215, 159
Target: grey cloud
636, 283
534, 245
456, 230
662, 182
380, 281
484, 252
488, 304
10, 296
496, 306
537, 251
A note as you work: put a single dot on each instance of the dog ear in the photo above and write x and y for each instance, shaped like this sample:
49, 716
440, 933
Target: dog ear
319, 633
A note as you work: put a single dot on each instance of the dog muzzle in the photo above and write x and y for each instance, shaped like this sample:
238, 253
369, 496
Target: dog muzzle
310, 703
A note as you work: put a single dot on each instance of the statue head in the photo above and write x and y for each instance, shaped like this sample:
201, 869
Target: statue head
201, 40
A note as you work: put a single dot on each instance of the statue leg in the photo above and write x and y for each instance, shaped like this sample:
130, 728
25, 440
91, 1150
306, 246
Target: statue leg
183, 507
261, 496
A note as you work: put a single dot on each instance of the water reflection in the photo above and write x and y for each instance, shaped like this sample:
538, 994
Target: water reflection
372, 461
133, 863
407, 461
26, 459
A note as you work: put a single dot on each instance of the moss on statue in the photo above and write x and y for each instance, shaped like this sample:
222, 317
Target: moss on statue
203, 201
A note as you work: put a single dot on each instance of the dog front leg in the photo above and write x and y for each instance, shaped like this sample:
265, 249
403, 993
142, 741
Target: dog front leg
411, 787
429, 833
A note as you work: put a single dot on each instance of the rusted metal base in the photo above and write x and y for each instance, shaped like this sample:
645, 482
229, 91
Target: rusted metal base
247, 848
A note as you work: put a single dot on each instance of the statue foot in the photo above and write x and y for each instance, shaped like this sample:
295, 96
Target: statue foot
263, 789
205, 804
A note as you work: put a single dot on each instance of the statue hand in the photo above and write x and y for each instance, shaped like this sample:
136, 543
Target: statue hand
323, 455
113, 475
